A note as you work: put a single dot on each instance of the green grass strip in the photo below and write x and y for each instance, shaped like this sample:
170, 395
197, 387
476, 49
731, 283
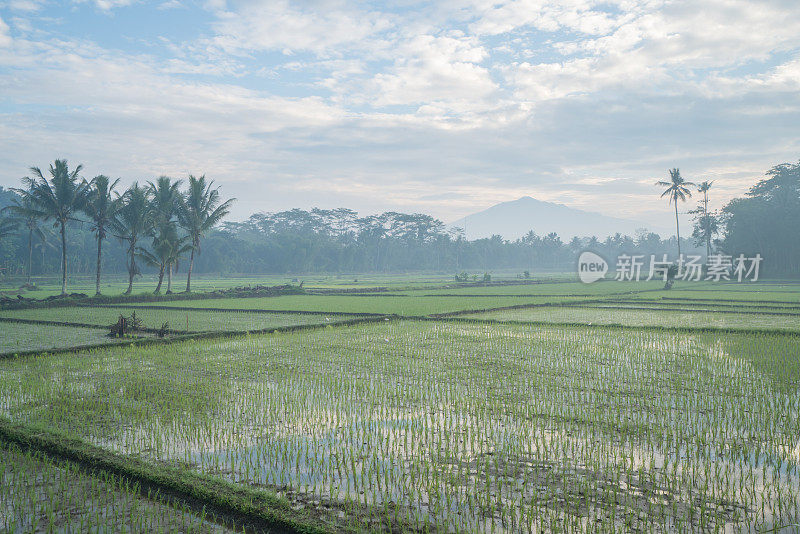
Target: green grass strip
76, 299
229, 310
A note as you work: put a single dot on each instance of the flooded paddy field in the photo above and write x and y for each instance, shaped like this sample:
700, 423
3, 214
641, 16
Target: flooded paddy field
20, 337
415, 425
674, 315
38, 494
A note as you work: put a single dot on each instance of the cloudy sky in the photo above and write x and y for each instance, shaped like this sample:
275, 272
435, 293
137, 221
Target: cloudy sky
442, 107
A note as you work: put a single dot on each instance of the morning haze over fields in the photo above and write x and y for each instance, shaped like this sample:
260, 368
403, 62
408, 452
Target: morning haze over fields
340, 267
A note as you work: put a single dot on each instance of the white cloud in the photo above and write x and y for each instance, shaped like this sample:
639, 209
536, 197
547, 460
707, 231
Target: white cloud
108, 5
664, 50
579, 101
171, 4
5, 36
25, 5
320, 27
547, 15
432, 70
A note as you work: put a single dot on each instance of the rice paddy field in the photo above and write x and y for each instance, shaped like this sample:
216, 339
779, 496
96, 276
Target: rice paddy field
19, 337
769, 295
561, 407
39, 494
179, 320
548, 288
405, 305
144, 285
684, 305
687, 318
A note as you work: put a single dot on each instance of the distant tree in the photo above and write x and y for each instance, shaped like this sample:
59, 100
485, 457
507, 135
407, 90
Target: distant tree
131, 224
677, 189
60, 198
199, 212
575, 245
766, 220
23, 211
101, 207
706, 224
344, 220
164, 201
647, 240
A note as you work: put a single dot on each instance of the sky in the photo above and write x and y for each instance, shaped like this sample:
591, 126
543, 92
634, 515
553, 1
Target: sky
441, 107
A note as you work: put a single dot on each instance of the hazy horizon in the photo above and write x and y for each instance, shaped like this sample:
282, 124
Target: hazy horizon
419, 108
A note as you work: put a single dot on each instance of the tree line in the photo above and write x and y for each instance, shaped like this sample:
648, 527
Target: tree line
764, 221
151, 231
173, 220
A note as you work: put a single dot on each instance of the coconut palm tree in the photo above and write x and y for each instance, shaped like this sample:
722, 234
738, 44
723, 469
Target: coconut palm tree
131, 224
200, 211
703, 188
45, 243
59, 198
24, 212
168, 248
164, 200
176, 249
101, 207
677, 189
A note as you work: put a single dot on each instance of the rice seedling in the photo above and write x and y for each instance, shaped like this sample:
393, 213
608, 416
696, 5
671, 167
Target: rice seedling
638, 317
38, 494
454, 426
729, 293
19, 337
682, 305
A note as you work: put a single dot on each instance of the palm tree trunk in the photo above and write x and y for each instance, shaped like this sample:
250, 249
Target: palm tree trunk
99, 252
708, 225
30, 253
131, 270
160, 278
169, 278
677, 228
189, 273
63, 259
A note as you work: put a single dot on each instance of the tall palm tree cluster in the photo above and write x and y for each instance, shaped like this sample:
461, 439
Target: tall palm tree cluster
172, 222
678, 190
